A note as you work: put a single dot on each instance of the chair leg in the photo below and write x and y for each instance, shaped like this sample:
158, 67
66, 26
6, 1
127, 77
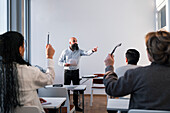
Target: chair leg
68, 107
107, 98
79, 102
91, 97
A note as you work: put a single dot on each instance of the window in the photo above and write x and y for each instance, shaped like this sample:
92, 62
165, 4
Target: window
162, 17
14, 17
3, 17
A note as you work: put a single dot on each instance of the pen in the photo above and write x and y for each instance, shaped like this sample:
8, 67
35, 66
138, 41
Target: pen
115, 48
48, 39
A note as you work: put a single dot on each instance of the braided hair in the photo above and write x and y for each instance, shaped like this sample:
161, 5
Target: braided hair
9, 83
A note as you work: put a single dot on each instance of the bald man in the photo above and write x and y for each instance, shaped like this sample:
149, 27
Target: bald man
70, 60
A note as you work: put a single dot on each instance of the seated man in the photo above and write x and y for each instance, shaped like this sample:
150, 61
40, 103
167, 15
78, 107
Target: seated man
132, 58
148, 85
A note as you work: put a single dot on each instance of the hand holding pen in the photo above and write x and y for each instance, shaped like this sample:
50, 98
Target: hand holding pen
49, 49
109, 61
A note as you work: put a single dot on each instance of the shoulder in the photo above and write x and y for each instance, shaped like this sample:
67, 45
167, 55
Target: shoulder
65, 51
138, 70
80, 50
125, 67
27, 69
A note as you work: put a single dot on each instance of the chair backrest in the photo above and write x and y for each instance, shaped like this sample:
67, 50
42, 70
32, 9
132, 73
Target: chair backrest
97, 81
27, 109
55, 92
146, 111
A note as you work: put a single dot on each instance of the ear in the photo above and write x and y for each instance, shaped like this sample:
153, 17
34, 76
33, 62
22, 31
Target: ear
126, 60
20, 49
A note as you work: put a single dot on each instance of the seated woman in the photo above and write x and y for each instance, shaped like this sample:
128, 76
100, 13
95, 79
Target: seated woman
149, 86
19, 80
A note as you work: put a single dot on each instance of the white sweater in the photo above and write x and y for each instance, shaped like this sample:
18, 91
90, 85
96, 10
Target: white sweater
30, 79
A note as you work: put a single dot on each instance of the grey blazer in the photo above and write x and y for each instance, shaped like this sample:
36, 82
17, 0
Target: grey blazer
149, 86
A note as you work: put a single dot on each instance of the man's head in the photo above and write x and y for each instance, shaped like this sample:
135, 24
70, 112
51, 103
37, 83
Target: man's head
132, 56
73, 43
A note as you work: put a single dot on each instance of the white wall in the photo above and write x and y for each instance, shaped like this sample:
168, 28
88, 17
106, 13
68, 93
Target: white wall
102, 23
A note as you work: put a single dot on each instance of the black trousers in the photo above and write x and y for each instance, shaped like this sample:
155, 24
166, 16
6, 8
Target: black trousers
72, 75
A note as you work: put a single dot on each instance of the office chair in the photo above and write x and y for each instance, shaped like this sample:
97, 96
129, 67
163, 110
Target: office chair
97, 84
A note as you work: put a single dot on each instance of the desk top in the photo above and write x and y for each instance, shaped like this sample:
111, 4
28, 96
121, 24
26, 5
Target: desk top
72, 87
89, 76
56, 102
118, 104
75, 87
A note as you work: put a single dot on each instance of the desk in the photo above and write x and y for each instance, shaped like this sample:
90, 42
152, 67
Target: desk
118, 104
56, 103
80, 88
86, 78
89, 76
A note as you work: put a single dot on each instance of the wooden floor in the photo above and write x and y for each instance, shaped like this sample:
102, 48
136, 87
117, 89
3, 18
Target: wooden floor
99, 104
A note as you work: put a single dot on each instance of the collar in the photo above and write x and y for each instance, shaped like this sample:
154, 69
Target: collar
71, 50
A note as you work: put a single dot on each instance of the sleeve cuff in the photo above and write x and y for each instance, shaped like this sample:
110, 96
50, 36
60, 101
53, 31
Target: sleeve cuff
109, 68
50, 62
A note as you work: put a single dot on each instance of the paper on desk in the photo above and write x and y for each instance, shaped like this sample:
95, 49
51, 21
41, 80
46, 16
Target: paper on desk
46, 103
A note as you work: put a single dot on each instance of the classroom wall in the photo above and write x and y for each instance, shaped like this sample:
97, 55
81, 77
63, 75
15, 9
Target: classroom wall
102, 23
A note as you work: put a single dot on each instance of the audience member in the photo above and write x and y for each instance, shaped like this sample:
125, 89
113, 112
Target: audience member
149, 86
19, 80
132, 58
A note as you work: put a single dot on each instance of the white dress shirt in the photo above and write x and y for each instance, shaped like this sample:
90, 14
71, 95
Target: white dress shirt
69, 56
30, 79
120, 71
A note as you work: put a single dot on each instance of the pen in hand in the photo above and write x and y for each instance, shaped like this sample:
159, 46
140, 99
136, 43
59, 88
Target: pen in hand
48, 39
115, 48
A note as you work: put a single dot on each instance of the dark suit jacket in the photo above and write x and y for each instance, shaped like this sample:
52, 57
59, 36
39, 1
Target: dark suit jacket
149, 86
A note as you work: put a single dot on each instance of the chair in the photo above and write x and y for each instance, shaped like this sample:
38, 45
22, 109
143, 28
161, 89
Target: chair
27, 109
57, 92
97, 84
146, 111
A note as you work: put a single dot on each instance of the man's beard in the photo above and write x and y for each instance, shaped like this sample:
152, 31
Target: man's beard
74, 47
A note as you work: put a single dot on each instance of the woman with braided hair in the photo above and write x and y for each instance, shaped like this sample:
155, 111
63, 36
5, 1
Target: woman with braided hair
18, 79
149, 86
